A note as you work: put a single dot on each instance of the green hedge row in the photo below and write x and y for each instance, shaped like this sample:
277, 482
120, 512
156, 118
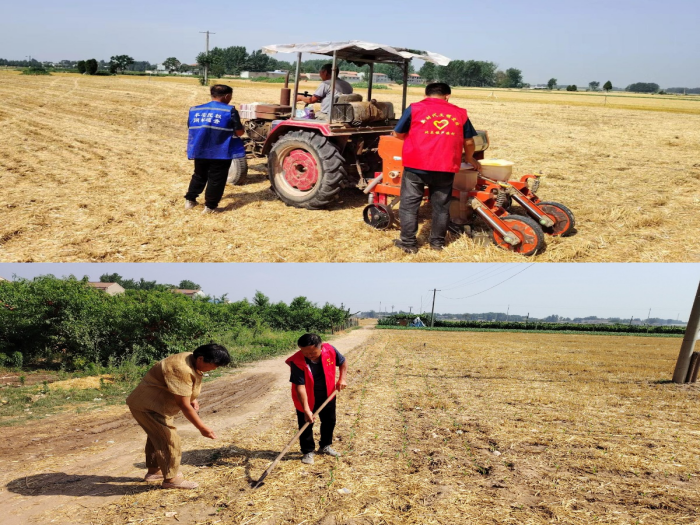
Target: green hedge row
64, 322
540, 326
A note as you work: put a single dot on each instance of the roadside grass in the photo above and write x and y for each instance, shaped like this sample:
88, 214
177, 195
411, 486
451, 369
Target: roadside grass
29, 399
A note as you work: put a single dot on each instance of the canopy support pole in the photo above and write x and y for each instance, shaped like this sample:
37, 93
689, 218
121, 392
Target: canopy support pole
405, 86
296, 87
335, 64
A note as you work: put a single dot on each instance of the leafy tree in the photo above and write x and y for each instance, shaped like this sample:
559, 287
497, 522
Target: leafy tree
594, 86
91, 66
82, 68
186, 284
171, 64
258, 61
643, 87
572, 87
261, 300
119, 63
184, 68
515, 78
428, 71
608, 86
552, 83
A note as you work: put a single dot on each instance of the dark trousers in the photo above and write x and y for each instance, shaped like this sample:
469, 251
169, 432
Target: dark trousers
327, 417
211, 173
413, 185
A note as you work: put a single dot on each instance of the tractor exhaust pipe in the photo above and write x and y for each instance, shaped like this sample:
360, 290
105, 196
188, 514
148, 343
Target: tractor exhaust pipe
285, 92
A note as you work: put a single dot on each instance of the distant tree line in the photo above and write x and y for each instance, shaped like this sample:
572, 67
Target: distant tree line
142, 284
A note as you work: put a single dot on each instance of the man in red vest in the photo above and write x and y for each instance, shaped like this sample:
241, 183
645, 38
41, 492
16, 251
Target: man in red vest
313, 380
434, 133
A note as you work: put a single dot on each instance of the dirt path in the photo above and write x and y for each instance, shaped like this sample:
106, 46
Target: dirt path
52, 468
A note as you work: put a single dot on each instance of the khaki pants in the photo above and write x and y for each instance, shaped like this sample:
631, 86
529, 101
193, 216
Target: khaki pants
162, 444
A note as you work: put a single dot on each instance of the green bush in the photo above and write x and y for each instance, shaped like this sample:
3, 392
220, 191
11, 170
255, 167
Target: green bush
365, 85
275, 80
4, 359
36, 70
64, 323
16, 359
103, 73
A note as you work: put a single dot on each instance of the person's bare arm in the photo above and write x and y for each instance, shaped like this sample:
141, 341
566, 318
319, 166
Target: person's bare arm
342, 383
469, 148
308, 414
400, 136
312, 99
185, 404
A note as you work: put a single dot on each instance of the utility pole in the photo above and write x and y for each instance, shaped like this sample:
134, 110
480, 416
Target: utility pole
507, 313
409, 310
648, 316
691, 334
432, 313
206, 66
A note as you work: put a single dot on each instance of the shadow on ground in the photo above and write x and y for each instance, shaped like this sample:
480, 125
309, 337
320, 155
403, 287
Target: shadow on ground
62, 484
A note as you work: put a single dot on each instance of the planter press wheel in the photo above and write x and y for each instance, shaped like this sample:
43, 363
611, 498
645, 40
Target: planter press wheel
565, 221
238, 172
528, 231
306, 170
378, 216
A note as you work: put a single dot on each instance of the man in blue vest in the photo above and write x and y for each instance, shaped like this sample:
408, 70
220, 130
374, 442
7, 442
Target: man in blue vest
214, 141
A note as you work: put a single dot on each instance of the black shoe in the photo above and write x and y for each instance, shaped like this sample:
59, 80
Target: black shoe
404, 247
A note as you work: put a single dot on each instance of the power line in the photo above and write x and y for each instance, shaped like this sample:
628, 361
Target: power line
490, 288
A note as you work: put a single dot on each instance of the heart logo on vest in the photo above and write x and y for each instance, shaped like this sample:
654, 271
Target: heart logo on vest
441, 124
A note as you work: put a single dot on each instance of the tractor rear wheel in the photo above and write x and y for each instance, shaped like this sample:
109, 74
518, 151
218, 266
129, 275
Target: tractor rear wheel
238, 172
306, 170
527, 230
565, 221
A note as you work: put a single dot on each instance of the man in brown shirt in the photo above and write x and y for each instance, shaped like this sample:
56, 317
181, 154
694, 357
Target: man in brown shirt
170, 386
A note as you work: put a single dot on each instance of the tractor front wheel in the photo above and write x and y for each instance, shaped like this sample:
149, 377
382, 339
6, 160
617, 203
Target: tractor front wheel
564, 218
238, 172
527, 230
306, 170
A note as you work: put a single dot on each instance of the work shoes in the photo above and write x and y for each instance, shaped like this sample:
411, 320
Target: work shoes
207, 210
405, 247
308, 458
190, 204
329, 451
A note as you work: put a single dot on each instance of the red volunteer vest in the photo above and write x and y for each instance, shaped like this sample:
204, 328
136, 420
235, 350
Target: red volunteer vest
436, 138
328, 360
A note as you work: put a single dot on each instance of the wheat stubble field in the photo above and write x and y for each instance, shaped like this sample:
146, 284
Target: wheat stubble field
477, 428
94, 169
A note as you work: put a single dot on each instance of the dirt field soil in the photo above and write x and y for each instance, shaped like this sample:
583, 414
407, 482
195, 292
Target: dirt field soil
51, 469
95, 169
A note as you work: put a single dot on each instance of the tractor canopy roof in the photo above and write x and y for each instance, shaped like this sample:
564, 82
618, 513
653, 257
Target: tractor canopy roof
360, 52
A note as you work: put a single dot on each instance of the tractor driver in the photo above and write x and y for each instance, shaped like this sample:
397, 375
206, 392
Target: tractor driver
434, 133
321, 94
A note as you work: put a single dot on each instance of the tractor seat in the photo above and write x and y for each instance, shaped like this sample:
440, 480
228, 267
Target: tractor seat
359, 113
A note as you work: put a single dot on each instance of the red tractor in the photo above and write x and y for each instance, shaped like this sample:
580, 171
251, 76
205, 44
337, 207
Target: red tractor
310, 160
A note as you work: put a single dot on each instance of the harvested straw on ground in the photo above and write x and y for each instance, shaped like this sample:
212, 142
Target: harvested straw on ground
104, 175
471, 428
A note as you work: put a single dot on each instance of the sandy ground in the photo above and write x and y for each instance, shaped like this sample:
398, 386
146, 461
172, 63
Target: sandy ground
94, 169
51, 469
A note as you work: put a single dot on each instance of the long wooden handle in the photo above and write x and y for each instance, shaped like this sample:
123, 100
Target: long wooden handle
291, 441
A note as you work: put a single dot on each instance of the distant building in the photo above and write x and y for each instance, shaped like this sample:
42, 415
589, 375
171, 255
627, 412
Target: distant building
189, 293
311, 76
266, 74
380, 78
108, 288
413, 78
350, 76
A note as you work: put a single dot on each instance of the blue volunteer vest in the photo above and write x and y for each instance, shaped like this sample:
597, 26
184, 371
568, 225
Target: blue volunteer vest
211, 133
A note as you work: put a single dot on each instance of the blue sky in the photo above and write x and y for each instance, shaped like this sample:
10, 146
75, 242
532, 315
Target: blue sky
571, 290
623, 41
